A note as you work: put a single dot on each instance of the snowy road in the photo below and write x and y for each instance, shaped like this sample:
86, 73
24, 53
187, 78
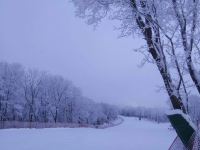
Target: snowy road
130, 135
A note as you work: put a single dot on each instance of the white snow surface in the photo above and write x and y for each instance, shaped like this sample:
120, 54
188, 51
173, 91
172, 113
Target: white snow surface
132, 134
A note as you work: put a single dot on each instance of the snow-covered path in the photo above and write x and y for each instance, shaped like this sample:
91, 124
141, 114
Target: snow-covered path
130, 135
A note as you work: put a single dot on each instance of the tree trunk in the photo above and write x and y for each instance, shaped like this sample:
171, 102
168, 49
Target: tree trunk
152, 37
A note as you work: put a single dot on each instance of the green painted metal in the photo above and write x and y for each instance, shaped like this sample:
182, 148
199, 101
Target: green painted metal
183, 128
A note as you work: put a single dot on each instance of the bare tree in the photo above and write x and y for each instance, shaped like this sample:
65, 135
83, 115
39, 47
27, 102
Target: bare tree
10, 85
34, 97
187, 15
32, 82
57, 91
144, 18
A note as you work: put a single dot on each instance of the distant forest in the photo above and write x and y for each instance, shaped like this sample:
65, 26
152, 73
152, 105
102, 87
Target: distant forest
35, 96
32, 96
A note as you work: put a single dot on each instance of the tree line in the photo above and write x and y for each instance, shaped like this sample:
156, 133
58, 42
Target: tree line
35, 96
153, 114
159, 114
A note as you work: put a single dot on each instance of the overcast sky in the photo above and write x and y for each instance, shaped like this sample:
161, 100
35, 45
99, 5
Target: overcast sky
45, 34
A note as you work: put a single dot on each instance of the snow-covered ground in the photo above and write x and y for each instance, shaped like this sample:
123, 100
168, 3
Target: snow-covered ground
132, 134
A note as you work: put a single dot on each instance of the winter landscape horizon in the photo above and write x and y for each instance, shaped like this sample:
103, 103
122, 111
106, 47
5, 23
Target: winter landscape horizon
99, 74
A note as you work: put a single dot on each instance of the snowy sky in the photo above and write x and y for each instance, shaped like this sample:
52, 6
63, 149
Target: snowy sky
45, 34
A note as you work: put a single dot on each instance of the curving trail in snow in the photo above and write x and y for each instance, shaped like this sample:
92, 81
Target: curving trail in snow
132, 134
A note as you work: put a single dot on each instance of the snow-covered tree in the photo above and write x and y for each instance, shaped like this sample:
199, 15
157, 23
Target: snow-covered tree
10, 89
32, 85
35, 96
171, 32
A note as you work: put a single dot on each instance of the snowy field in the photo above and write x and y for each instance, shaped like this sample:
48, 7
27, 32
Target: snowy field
132, 134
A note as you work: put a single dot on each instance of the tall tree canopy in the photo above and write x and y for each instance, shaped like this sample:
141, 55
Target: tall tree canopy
170, 29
